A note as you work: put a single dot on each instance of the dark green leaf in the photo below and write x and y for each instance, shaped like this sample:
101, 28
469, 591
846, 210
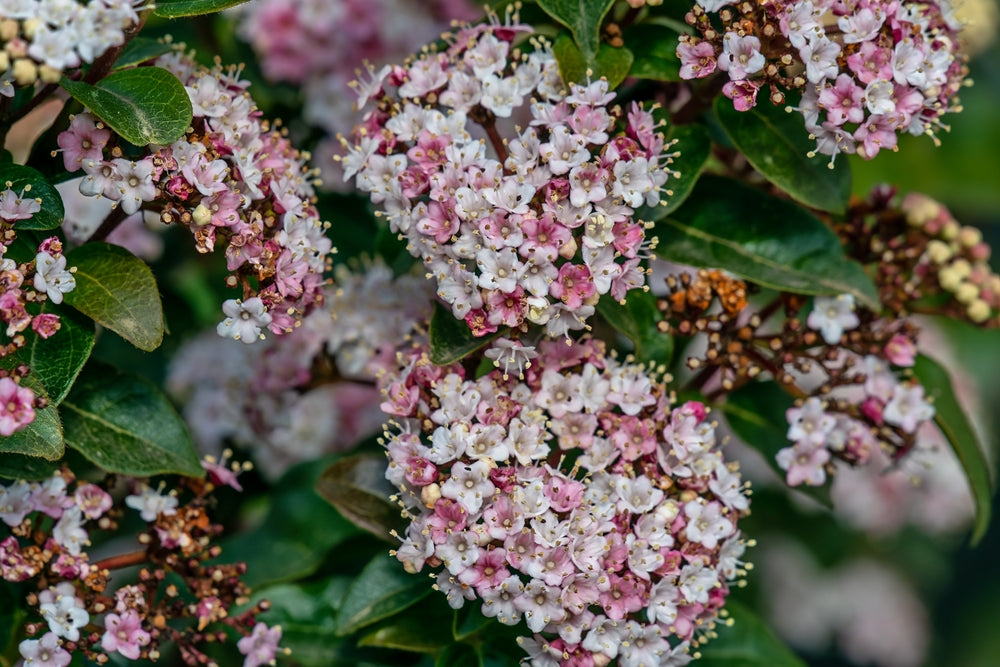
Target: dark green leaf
117, 290
458, 655
576, 67
43, 437
306, 613
382, 589
746, 643
777, 145
140, 50
424, 628
727, 225
173, 9
582, 17
32, 185
358, 488
638, 318
694, 146
122, 423
654, 47
145, 105
956, 427
451, 339
57, 361
18, 466
756, 413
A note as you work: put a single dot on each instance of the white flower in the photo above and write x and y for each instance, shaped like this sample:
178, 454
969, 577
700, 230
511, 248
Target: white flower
244, 320
907, 408
63, 611
832, 316
151, 503
52, 277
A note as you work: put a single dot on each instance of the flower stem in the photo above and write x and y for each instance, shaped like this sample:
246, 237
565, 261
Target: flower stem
122, 560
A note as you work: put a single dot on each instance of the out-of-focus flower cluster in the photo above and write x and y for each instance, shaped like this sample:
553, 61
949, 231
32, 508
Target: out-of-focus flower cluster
25, 285
41, 39
231, 179
79, 607
574, 499
515, 225
867, 69
307, 394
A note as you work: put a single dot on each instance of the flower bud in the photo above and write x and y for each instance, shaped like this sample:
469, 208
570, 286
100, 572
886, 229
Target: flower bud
969, 236
978, 311
430, 494
939, 251
25, 72
949, 278
568, 249
201, 215
966, 293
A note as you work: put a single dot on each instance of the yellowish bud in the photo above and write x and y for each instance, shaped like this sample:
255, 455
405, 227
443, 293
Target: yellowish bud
978, 311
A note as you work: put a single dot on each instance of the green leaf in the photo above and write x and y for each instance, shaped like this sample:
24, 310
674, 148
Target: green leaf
117, 290
746, 643
777, 145
582, 17
727, 225
451, 339
57, 361
458, 655
122, 423
654, 47
357, 487
382, 589
956, 427
576, 67
173, 9
43, 437
756, 413
638, 319
307, 613
32, 185
18, 466
694, 145
140, 50
424, 628
145, 105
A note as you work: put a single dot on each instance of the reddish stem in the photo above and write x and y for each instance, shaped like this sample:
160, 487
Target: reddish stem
122, 560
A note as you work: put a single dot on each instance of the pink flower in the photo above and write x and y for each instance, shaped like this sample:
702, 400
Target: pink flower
573, 286
16, 406
900, 351
260, 646
44, 652
45, 324
742, 93
697, 61
803, 464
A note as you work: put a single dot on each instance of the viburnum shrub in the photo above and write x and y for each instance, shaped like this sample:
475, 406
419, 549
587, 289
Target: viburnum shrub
522, 305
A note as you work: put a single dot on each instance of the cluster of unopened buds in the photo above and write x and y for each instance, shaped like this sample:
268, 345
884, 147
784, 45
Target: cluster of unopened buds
563, 490
41, 39
230, 178
866, 70
516, 226
79, 607
310, 393
45, 278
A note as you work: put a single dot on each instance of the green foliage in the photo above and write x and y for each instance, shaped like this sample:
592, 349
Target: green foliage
577, 67
56, 361
450, 338
654, 47
44, 436
637, 318
19, 466
173, 9
695, 146
140, 50
117, 290
747, 643
583, 18
357, 486
777, 145
382, 589
34, 186
423, 628
956, 427
122, 423
307, 613
772, 242
145, 105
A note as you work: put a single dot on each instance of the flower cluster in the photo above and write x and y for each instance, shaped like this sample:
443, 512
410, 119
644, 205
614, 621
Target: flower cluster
311, 392
40, 39
521, 226
574, 499
866, 69
230, 179
80, 609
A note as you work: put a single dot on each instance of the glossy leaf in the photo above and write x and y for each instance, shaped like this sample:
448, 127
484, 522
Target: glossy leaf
29, 183
458, 655
173, 9
582, 17
451, 339
145, 105
382, 589
43, 437
956, 427
122, 423
57, 361
140, 50
117, 290
577, 67
654, 47
637, 318
357, 487
424, 628
19, 466
694, 146
772, 242
307, 615
756, 414
777, 145
746, 643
